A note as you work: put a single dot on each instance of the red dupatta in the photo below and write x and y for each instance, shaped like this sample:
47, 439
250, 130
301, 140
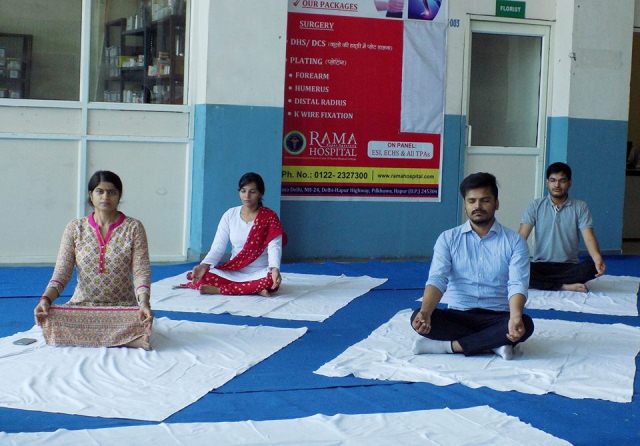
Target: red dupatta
266, 227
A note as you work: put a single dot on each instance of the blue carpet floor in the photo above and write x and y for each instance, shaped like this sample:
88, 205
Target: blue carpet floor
284, 385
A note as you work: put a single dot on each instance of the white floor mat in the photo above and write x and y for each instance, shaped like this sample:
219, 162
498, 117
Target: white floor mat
611, 295
472, 426
189, 359
573, 359
306, 297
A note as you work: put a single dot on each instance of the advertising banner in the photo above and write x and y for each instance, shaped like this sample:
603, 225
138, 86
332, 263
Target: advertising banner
364, 100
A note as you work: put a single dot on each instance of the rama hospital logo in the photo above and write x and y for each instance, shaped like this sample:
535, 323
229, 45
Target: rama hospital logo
325, 144
294, 142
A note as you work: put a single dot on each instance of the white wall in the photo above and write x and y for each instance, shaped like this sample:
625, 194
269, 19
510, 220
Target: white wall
199, 30
600, 73
154, 177
591, 67
560, 64
47, 155
38, 197
247, 77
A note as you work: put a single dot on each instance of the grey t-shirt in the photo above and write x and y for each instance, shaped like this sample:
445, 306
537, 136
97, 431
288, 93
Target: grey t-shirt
557, 231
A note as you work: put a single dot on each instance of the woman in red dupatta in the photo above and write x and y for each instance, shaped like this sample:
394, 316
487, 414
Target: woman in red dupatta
256, 238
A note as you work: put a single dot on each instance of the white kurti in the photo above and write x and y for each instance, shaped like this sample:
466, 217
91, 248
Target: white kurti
232, 228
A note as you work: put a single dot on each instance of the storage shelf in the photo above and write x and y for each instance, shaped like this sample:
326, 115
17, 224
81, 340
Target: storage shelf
15, 65
158, 39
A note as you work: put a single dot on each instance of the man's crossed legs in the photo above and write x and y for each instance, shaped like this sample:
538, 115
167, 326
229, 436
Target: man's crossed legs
471, 332
562, 276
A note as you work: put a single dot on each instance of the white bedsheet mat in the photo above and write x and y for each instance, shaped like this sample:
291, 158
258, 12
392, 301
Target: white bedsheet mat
574, 359
305, 297
610, 295
189, 359
471, 426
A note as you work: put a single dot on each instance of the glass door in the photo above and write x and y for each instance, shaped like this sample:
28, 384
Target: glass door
506, 85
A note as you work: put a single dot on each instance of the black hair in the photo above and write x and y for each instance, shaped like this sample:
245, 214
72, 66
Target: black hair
559, 168
104, 176
477, 181
252, 177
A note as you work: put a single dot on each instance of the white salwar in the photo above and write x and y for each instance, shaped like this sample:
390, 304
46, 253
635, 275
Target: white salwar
232, 228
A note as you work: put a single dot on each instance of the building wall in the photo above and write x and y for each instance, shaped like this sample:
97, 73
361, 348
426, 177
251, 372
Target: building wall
181, 164
238, 111
229, 141
50, 148
588, 122
586, 128
397, 230
346, 230
366, 229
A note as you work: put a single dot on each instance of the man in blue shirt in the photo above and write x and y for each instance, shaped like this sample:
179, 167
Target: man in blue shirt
484, 269
558, 221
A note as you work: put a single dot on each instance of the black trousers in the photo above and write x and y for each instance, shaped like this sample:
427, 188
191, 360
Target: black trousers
477, 330
552, 275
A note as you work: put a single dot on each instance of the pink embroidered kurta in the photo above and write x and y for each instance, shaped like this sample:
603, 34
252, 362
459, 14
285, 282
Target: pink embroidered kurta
111, 271
95, 327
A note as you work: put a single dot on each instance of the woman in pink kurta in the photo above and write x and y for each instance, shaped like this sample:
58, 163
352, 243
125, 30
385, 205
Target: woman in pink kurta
109, 251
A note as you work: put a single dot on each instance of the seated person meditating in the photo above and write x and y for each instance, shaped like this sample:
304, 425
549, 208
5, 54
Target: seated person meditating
484, 269
109, 251
256, 237
558, 222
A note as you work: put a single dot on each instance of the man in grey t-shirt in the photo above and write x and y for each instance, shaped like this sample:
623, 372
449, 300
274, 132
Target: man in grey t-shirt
559, 221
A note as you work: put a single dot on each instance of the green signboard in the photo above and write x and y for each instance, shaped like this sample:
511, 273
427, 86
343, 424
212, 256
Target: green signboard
506, 8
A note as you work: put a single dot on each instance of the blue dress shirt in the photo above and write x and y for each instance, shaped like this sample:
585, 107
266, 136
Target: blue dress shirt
479, 272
